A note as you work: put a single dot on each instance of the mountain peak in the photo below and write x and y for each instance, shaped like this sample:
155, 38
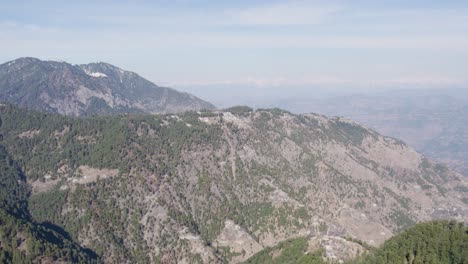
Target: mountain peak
20, 62
104, 69
101, 64
27, 59
87, 89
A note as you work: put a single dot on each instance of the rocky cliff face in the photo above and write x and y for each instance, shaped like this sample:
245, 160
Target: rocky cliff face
221, 186
90, 89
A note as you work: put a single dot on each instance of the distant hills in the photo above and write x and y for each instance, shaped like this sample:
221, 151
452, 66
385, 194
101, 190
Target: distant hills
88, 89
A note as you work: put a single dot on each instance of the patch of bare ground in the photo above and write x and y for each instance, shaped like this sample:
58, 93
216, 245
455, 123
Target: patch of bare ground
61, 133
22, 242
45, 185
363, 227
279, 198
197, 246
89, 174
337, 249
86, 139
29, 133
238, 240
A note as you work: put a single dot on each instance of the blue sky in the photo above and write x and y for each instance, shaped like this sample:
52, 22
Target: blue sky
257, 43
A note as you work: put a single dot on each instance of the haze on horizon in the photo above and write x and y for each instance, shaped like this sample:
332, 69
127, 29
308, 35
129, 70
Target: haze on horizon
219, 48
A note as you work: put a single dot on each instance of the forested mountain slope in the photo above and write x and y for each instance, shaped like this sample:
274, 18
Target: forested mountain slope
221, 186
21, 239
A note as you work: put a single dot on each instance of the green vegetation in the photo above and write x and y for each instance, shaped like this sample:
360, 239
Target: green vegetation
25, 242
293, 251
274, 111
21, 239
241, 109
440, 242
351, 132
14, 190
101, 142
46, 206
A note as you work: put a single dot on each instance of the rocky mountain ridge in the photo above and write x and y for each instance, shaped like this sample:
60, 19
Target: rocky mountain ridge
88, 89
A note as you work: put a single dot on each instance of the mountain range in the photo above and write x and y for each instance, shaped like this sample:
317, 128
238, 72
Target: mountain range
99, 165
220, 186
88, 89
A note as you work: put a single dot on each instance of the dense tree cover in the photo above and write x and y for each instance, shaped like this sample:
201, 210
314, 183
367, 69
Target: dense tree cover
240, 109
293, 251
22, 240
441, 242
13, 187
101, 142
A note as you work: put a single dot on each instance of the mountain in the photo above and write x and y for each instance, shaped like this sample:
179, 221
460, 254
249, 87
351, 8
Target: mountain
434, 121
89, 89
220, 186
